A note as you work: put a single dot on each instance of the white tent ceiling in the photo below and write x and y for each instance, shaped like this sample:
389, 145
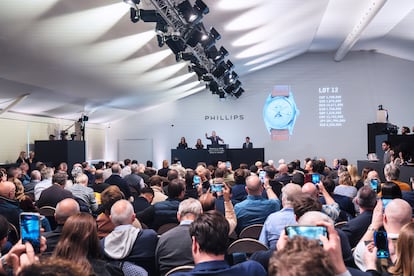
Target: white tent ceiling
87, 57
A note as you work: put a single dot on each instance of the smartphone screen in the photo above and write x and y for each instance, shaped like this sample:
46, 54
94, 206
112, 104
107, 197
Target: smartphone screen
262, 175
30, 229
310, 232
381, 242
316, 178
216, 188
228, 164
385, 202
374, 185
196, 181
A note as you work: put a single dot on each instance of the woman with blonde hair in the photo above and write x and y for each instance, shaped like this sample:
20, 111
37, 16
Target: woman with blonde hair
355, 177
345, 187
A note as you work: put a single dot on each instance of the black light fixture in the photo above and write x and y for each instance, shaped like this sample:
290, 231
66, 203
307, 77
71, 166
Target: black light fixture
180, 27
133, 15
201, 7
186, 56
149, 15
239, 92
230, 77
199, 70
187, 11
175, 43
195, 35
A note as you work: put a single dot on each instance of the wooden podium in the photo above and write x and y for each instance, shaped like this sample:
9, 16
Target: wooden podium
55, 152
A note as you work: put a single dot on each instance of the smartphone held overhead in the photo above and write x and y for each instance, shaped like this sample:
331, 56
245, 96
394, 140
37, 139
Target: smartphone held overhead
316, 178
216, 188
30, 229
307, 231
381, 242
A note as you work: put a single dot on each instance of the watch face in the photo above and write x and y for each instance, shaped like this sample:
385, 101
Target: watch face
278, 113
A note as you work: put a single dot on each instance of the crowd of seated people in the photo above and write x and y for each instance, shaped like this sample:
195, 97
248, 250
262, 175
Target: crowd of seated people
126, 218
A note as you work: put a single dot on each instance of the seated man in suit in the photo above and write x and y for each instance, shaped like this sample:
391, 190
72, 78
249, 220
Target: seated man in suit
174, 246
209, 233
366, 199
64, 209
55, 193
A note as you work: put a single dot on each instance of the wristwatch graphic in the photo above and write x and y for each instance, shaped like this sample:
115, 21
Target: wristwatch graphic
280, 112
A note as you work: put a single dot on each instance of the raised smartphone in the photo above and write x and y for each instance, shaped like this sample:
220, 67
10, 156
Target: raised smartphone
381, 242
196, 181
307, 231
30, 229
316, 178
262, 175
374, 185
216, 188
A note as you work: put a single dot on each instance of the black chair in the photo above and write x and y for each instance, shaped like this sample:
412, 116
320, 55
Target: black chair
49, 213
241, 249
165, 227
251, 231
182, 268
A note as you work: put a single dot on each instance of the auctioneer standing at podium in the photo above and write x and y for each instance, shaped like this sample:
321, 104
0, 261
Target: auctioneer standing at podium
214, 138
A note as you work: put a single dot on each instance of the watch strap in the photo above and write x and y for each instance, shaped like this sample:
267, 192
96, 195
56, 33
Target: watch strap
280, 90
279, 134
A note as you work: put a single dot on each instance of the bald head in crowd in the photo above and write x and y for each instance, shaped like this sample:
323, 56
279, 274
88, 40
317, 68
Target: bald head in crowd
253, 185
283, 168
397, 213
8, 189
310, 188
122, 213
66, 208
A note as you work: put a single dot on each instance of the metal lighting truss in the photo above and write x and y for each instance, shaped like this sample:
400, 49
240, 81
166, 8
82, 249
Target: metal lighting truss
179, 29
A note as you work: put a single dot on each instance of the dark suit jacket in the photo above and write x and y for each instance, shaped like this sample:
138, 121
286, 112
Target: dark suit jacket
248, 146
52, 195
356, 227
52, 238
116, 179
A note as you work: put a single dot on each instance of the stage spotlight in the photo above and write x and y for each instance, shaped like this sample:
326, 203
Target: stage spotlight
222, 93
187, 11
195, 35
214, 34
213, 86
161, 41
175, 43
161, 27
133, 15
230, 78
207, 78
150, 16
186, 56
239, 92
198, 69
201, 7
219, 70
229, 65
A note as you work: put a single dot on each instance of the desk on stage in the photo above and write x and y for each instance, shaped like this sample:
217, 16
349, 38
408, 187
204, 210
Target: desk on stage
190, 157
405, 171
